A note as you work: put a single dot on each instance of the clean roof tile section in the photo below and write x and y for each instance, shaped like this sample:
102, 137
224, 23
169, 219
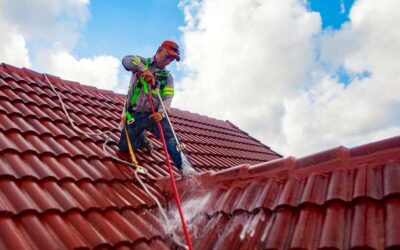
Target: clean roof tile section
57, 188
337, 199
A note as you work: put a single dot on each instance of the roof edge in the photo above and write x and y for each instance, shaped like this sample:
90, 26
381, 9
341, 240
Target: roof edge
300, 168
55, 79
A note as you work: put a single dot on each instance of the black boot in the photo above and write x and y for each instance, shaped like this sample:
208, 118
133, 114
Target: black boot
147, 144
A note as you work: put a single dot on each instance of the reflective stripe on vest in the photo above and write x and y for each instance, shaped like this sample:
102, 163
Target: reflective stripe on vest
136, 61
167, 91
163, 81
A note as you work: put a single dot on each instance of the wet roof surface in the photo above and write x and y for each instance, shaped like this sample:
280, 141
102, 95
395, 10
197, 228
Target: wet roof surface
337, 199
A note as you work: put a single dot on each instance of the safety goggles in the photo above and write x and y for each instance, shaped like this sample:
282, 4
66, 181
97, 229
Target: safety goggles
174, 49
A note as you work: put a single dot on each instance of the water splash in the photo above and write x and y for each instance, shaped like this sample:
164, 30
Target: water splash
185, 162
193, 186
191, 208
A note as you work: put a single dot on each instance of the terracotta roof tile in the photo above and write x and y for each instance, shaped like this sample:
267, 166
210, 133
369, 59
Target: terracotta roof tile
59, 190
77, 230
334, 199
57, 187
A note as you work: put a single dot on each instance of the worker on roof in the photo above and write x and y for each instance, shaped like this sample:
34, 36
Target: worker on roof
137, 108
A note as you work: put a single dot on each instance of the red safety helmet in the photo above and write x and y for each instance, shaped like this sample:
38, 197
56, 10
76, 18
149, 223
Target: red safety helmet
172, 49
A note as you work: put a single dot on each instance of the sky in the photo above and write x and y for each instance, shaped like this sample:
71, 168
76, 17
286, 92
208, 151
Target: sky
301, 76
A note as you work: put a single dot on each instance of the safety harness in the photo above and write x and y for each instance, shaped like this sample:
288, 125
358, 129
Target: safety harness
161, 76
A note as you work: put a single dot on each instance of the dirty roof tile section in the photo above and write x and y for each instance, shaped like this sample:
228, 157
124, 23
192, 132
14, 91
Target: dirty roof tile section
58, 189
337, 199
32, 121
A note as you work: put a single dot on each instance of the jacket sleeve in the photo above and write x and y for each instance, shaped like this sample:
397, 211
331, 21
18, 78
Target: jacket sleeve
133, 63
167, 94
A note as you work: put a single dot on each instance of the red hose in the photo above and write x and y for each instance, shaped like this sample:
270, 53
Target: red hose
171, 175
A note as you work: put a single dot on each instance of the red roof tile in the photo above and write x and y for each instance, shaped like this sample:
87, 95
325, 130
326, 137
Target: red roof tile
59, 190
337, 199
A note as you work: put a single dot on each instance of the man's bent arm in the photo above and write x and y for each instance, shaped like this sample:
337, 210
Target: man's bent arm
133, 63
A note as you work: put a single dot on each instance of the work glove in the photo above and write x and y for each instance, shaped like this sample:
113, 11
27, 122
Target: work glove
157, 116
180, 147
148, 77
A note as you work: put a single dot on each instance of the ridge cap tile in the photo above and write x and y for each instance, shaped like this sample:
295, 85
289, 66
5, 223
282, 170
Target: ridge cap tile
376, 146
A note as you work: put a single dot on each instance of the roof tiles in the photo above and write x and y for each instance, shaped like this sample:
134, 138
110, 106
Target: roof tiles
337, 199
59, 191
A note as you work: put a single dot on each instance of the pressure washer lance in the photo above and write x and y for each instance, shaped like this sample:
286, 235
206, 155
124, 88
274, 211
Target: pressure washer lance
171, 174
187, 168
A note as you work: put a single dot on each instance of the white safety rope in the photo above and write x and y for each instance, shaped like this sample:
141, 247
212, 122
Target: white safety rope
153, 197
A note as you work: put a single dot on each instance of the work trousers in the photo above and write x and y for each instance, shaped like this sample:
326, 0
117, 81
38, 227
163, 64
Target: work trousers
143, 122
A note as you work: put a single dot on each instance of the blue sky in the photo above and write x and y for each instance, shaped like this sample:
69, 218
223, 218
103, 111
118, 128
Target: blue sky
138, 27
129, 27
333, 12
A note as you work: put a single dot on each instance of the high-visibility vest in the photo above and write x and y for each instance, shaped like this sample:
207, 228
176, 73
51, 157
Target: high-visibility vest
162, 76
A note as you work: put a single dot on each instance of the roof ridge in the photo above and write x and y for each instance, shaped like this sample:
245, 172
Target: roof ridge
56, 80
273, 208
321, 162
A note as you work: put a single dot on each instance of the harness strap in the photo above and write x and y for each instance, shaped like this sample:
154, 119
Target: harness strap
135, 95
133, 157
137, 88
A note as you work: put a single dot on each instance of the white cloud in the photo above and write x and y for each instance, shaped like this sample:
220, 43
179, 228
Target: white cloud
99, 71
268, 67
368, 108
46, 21
40, 34
244, 58
13, 48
